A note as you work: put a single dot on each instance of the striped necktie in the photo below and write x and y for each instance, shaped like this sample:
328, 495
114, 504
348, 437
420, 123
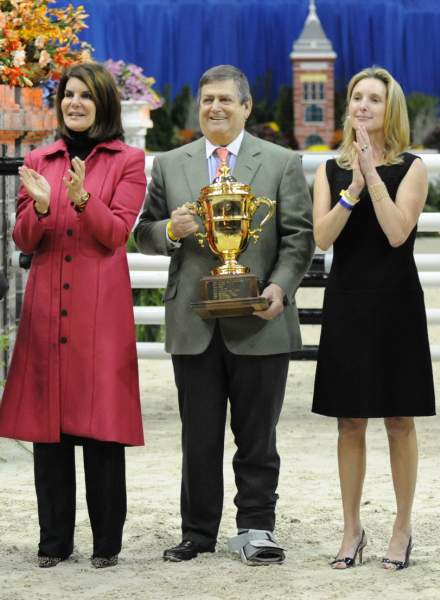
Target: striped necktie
222, 154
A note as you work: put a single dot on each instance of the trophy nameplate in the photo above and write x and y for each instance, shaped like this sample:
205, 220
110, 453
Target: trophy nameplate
226, 208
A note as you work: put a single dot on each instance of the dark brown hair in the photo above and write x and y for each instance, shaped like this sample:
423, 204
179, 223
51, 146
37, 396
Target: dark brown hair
105, 95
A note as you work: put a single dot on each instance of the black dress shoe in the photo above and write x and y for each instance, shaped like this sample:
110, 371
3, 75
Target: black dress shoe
186, 550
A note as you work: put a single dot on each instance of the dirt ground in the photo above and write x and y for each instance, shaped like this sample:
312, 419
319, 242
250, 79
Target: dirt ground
309, 514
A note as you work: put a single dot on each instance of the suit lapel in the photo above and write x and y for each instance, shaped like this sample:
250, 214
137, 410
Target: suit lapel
195, 167
248, 160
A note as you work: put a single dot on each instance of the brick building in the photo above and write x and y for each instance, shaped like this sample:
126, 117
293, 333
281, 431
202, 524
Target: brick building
313, 83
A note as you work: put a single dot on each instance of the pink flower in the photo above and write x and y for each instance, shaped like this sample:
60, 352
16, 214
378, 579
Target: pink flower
19, 58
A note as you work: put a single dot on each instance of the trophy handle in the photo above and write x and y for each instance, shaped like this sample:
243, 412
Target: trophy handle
255, 233
196, 208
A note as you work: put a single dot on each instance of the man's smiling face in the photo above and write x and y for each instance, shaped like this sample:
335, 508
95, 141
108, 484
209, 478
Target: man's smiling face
221, 114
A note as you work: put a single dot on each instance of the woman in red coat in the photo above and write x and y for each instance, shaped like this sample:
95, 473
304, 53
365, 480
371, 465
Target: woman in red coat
73, 377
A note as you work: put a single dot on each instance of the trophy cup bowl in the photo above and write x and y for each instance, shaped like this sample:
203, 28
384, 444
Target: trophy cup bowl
226, 208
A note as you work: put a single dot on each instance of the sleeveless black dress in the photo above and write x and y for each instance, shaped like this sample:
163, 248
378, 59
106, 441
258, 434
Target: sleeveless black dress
373, 358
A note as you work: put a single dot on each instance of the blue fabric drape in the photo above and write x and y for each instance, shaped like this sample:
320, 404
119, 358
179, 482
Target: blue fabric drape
176, 40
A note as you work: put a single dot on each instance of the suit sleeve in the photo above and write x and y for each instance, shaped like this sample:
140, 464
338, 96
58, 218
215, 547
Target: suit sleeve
150, 233
29, 229
295, 230
111, 225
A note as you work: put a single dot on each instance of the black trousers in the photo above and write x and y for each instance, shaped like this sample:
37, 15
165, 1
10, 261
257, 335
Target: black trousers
255, 387
55, 484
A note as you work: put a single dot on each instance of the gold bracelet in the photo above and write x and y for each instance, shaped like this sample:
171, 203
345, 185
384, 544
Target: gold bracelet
170, 233
378, 192
83, 199
348, 197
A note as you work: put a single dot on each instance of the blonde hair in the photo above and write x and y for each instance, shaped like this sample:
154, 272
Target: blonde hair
396, 123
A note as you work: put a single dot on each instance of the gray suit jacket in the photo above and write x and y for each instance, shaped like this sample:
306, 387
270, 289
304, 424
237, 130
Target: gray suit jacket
282, 254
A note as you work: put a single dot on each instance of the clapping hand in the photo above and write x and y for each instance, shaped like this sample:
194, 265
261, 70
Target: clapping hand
75, 185
364, 153
358, 181
36, 186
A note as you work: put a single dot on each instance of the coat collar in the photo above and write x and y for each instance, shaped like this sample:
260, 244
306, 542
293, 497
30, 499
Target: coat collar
59, 147
248, 161
196, 170
195, 167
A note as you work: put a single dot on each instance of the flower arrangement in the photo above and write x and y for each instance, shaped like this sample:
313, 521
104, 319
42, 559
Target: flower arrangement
38, 42
133, 84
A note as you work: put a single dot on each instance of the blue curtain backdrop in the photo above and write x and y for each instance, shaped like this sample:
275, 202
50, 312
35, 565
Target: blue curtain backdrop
176, 40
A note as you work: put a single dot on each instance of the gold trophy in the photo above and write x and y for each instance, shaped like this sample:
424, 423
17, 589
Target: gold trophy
226, 208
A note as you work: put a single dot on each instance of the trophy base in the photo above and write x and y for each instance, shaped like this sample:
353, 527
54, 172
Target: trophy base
229, 296
238, 307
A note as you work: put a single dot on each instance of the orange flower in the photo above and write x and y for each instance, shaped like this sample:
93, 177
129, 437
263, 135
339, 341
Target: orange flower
39, 40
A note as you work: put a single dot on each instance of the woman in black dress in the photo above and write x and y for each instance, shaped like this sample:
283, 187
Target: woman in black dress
374, 358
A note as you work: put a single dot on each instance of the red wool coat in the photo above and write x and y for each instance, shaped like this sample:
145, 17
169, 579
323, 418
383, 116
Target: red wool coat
74, 366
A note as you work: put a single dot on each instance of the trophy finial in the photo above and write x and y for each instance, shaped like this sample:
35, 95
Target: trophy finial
224, 175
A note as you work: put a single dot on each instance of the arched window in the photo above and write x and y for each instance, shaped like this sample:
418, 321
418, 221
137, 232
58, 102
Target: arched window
314, 114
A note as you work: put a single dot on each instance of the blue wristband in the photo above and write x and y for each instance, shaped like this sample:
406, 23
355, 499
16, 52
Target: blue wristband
345, 204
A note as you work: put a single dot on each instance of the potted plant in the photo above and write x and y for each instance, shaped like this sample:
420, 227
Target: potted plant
137, 99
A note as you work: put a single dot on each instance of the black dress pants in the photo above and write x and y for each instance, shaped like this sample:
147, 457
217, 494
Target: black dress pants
255, 387
55, 484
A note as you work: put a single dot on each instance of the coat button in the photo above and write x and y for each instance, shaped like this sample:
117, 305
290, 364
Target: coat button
63, 340
68, 258
66, 286
69, 232
64, 313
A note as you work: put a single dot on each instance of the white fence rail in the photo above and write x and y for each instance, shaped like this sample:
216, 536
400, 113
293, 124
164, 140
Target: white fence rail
150, 272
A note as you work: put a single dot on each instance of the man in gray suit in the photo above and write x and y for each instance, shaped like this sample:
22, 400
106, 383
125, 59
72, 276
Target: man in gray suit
243, 359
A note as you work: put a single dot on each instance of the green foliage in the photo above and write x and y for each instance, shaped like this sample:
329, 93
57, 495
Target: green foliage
262, 109
422, 113
340, 108
433, 201
283, 109
160, 137
4, 342
417, 102
433, 139
180, 107
131, 245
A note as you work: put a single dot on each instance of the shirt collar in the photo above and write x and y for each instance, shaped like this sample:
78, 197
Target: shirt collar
233, 147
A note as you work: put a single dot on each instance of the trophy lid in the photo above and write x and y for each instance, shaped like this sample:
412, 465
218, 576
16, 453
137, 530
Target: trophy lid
225, 183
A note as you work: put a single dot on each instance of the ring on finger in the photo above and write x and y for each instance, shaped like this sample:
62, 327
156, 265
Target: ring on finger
364, 147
